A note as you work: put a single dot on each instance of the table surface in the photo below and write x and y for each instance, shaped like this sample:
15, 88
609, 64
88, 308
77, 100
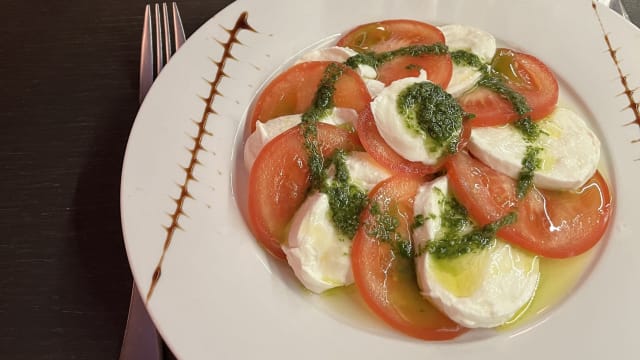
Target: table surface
68, 97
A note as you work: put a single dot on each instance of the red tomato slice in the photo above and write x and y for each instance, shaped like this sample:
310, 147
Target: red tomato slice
387, 281
375, 145
394, 34
550, 223
523, 73
279, 181
293, 91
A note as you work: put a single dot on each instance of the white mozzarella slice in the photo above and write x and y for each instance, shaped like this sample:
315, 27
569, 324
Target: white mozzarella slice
392, 126
462, 37
570, 155
364, 171
338, 54
374, 87
318, 254
341, 54
476, 41
463, 78
481, 289
267, 131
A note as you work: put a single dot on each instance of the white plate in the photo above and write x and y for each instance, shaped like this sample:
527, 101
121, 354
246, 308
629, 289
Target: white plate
221, 296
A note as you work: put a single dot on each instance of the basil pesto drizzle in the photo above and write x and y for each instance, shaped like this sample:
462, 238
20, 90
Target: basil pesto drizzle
492, 80
530, 131
466, 58
384, 228
346, 201
376, 59
476, 240
430, 110
320, 108
530, 163
454, 238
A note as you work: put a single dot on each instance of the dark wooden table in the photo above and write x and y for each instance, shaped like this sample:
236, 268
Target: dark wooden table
68, 97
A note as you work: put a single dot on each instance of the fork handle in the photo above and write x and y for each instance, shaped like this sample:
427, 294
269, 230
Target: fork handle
139, 342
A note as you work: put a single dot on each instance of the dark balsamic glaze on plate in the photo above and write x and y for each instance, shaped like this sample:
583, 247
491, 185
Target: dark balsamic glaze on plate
628, 92
241, 24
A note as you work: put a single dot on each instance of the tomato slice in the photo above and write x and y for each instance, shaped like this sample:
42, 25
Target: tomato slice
386, 280
550, 223
394, 34
523, 73
293, 91
377, 147
279, 181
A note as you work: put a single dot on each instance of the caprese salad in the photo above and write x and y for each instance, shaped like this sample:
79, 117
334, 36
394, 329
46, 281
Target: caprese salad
427, 166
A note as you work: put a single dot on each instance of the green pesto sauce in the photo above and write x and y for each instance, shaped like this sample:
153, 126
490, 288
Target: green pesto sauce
530, 163
495, 82
455, 217
466, 58
320, 108
430, 110
346, 201
453, 245
493, 78
454, 239
384, 228
376, 59
418, 221
529, 129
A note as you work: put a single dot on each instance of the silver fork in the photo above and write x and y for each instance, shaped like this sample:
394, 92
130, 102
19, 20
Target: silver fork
141, 340
617, 6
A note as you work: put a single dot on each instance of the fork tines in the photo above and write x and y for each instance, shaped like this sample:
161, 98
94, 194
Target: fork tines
165, 28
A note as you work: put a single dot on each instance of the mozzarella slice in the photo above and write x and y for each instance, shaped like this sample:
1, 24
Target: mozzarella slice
318, 254
393, 128
480, 289
338, 54
341, 54
364, 171
267, 131
570, 155
476, 41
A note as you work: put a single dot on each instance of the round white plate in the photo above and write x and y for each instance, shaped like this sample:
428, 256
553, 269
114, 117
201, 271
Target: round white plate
220, 296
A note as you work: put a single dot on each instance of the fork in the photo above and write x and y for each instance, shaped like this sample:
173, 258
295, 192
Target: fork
141, 340
617, 6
